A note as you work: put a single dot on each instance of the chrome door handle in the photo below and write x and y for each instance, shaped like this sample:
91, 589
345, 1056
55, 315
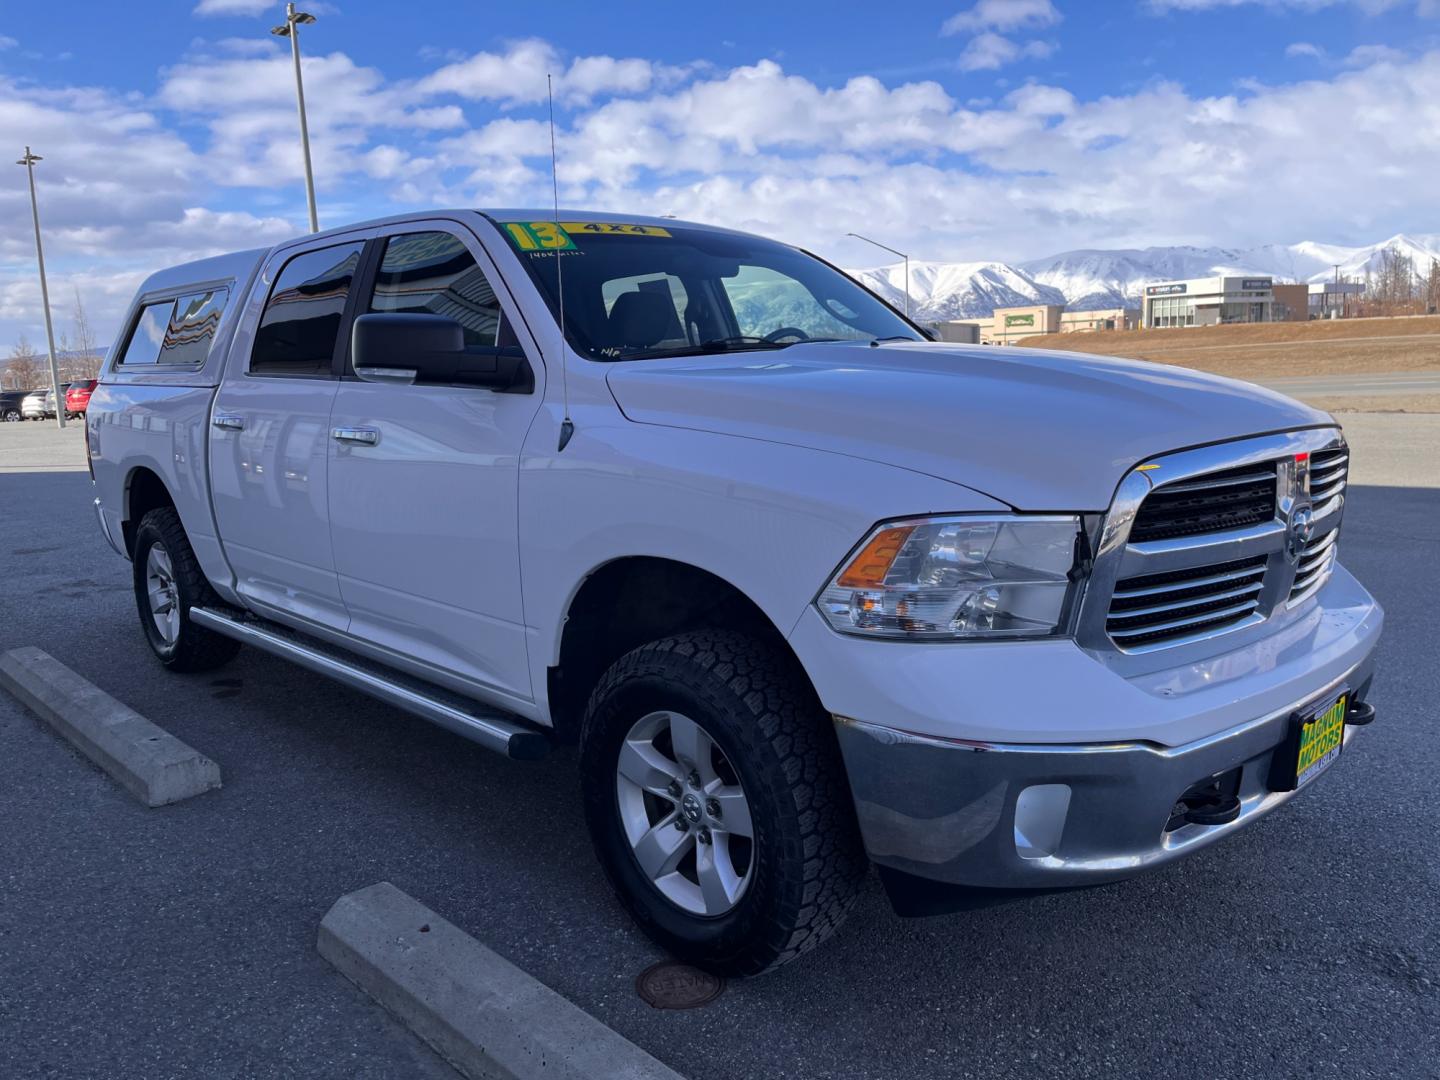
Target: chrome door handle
369, 436
229, 421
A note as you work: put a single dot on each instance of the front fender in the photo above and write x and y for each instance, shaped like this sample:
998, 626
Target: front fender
772, 520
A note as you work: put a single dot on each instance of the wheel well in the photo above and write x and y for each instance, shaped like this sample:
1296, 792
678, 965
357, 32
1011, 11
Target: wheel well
629, 602
144, 491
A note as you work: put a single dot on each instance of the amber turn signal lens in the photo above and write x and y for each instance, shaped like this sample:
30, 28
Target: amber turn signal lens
868, 569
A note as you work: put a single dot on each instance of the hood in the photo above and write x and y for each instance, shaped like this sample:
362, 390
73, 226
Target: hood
1040, 430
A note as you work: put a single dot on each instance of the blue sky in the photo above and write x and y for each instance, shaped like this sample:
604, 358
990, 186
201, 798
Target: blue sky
1004, 129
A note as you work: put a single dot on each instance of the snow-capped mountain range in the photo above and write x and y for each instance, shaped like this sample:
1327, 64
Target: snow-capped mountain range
1099, 278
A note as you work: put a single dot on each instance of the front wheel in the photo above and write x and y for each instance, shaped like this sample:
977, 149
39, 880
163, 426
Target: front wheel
168, 583
11, 416
717, 802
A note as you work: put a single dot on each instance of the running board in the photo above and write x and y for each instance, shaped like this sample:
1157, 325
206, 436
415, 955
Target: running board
493, 730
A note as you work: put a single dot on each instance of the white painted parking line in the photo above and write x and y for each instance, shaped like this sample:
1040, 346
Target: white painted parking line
477, 1010
148, 761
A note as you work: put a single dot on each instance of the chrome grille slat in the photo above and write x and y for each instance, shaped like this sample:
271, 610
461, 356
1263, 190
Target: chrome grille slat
1215, 502
1212, 579
1206, 618
1259, 476
1178, 605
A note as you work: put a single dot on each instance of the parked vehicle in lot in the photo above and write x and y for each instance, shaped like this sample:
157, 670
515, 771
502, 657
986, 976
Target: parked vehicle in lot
32, 406
11, 404
808, 589
77, 397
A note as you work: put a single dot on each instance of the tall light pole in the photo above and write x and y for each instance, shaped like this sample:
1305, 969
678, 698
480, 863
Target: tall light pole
29, 161
291, 29
892, 252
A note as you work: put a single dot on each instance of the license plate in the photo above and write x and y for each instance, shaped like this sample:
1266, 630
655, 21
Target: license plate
1322, 735
1312, 743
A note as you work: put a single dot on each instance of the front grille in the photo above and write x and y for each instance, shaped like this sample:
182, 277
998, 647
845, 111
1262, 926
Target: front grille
1155, 608
1316, 562
1329, 470
1215, 502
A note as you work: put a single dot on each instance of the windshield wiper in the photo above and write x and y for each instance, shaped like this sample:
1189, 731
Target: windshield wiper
742, 341
877, 342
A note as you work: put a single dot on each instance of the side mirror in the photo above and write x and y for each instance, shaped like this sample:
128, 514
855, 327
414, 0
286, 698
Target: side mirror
429, 350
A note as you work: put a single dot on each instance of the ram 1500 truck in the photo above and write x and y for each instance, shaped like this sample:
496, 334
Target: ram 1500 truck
811, 591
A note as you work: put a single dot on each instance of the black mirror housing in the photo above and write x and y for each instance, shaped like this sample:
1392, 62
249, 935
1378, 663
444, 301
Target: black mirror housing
433, 348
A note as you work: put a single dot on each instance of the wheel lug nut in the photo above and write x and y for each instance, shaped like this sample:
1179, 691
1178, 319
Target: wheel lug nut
674, 788
703, 835
712, 807
681, 824
694, 779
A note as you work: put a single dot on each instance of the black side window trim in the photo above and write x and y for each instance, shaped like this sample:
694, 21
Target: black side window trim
357, 303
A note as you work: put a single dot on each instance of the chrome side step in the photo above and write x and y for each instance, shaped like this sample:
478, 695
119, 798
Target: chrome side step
493, 730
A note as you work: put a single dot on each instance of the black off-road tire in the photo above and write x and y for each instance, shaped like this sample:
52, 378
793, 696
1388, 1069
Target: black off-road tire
195, 648
808, 860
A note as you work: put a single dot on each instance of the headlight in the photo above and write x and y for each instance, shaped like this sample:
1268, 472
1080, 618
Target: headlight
957, 577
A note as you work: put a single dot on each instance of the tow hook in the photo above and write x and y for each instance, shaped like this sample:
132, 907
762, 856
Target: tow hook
1215, 801
1360, 713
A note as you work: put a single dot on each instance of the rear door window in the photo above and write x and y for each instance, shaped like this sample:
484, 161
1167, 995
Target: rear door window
301, 322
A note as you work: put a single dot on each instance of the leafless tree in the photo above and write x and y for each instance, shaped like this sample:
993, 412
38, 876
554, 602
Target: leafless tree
83, 361
24, 369
1393, 287
1432, 288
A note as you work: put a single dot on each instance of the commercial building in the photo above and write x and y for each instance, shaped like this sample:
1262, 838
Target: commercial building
1208, 302
1334, 299
1292, 303
958, 333
1010, 324
1102, 319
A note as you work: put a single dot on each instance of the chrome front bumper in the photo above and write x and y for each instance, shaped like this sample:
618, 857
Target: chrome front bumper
1045, 816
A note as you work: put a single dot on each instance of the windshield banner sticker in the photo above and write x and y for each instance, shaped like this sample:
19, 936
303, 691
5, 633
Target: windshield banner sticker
539, 236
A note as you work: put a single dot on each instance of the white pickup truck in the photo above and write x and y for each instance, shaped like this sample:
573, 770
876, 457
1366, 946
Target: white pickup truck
810, 590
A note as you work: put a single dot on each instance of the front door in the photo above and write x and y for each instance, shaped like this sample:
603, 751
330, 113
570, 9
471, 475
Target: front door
424, 481
270, 440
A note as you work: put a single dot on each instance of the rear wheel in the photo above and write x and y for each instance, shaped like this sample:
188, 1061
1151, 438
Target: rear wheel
12, 416
717, 802
168, 583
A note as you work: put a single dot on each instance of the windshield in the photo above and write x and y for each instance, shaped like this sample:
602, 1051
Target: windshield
638, 291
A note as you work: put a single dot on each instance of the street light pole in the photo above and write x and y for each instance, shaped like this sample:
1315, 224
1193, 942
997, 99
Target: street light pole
892, 252
29, 161
291, 29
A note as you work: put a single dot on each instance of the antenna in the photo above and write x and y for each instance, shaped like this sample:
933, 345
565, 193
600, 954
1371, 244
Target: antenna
567, 426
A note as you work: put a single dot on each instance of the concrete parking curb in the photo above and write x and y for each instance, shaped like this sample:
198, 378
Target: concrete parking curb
148, 761
477, 1010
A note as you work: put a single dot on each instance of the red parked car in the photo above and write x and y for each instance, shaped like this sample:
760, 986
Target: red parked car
77, 397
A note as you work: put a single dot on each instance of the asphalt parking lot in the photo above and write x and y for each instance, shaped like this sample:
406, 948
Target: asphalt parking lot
179, 942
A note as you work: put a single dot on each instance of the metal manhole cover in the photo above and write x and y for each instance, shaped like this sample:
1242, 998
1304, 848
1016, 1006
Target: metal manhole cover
678, 986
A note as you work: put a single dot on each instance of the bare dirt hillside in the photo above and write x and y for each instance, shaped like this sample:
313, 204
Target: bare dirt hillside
1261, 350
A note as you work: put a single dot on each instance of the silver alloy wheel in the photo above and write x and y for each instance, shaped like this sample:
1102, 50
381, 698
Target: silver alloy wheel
163, 593
685, 814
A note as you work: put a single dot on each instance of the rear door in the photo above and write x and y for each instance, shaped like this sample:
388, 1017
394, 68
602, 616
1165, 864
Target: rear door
269, 437
424, 479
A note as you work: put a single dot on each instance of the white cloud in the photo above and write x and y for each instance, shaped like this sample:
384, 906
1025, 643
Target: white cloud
1304, 48
1004, 15
7, 42
211, 160
234, 7
987, 52
1365, 55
